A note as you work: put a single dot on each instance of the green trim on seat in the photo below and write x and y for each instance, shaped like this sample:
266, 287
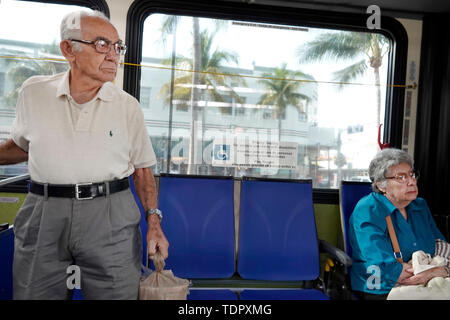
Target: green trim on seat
328, 222
8, 210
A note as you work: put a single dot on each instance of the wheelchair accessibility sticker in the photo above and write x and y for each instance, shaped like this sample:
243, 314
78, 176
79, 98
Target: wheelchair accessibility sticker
222, 152
254, 153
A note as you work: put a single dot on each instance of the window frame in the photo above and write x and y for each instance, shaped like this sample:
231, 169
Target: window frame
391, 28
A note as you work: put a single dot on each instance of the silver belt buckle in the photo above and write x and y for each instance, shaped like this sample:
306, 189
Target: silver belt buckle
77, 191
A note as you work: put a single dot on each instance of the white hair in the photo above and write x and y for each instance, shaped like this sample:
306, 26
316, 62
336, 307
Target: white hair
71, 25
382, 163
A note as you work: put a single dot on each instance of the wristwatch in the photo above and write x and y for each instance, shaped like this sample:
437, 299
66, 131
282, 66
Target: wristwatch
154, 211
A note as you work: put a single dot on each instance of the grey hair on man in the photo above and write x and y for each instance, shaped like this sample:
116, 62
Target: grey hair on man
383, 161
71, 25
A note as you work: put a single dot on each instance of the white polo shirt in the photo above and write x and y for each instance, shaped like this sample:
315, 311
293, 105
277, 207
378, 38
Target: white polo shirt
67, 143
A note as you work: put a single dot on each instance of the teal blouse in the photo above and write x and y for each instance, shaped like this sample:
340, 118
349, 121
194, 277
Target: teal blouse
375, 269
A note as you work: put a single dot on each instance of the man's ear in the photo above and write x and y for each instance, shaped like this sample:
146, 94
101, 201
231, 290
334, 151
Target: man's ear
67, 50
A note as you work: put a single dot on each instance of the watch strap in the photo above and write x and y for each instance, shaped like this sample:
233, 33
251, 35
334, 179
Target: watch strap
153, 211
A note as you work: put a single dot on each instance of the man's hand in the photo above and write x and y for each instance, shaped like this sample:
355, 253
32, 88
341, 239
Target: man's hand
156, 240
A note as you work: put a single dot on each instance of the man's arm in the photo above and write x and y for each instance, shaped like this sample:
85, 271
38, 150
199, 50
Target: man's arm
11, 153
145, 185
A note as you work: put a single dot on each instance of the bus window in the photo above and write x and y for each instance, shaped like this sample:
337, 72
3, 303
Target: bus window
240, 98
29, 45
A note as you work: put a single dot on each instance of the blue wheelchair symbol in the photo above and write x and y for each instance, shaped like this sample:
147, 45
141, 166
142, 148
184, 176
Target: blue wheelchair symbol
221, 152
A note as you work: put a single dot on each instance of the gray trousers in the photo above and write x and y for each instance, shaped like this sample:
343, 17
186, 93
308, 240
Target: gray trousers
100, 236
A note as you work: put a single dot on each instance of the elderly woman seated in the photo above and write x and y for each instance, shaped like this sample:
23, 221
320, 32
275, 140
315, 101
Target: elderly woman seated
375, 270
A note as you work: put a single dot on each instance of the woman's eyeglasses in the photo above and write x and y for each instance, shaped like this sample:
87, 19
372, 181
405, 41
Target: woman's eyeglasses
403, 177
104, 46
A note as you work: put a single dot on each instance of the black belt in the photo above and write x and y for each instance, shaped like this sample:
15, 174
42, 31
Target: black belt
80, 191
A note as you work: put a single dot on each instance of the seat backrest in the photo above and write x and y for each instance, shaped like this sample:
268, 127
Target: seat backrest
349, 194
6, 263
277, 232
199, 225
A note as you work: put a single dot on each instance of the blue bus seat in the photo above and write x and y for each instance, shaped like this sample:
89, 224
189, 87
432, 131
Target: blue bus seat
199, 225
350, 193
277, 235
6, 263
207, 294
77, 294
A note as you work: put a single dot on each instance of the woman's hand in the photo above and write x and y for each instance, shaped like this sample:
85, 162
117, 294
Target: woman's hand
407, 272
425, 276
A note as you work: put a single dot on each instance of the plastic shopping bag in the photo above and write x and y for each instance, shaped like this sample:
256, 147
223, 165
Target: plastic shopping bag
162, 284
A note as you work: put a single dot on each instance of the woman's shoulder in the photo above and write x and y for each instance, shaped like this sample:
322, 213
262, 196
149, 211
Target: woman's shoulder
370, 209
369, 201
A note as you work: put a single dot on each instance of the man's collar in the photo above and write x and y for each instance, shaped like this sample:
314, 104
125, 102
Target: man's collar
63, 86
106, 92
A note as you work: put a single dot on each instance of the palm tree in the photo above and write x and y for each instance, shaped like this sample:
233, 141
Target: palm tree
169, 26
209, 77
369, 47
283, 90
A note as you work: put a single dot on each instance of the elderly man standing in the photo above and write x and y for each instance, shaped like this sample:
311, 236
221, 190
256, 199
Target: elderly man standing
83, 137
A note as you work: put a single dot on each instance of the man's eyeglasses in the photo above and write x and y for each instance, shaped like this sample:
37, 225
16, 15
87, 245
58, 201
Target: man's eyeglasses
104, 46
403, 177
